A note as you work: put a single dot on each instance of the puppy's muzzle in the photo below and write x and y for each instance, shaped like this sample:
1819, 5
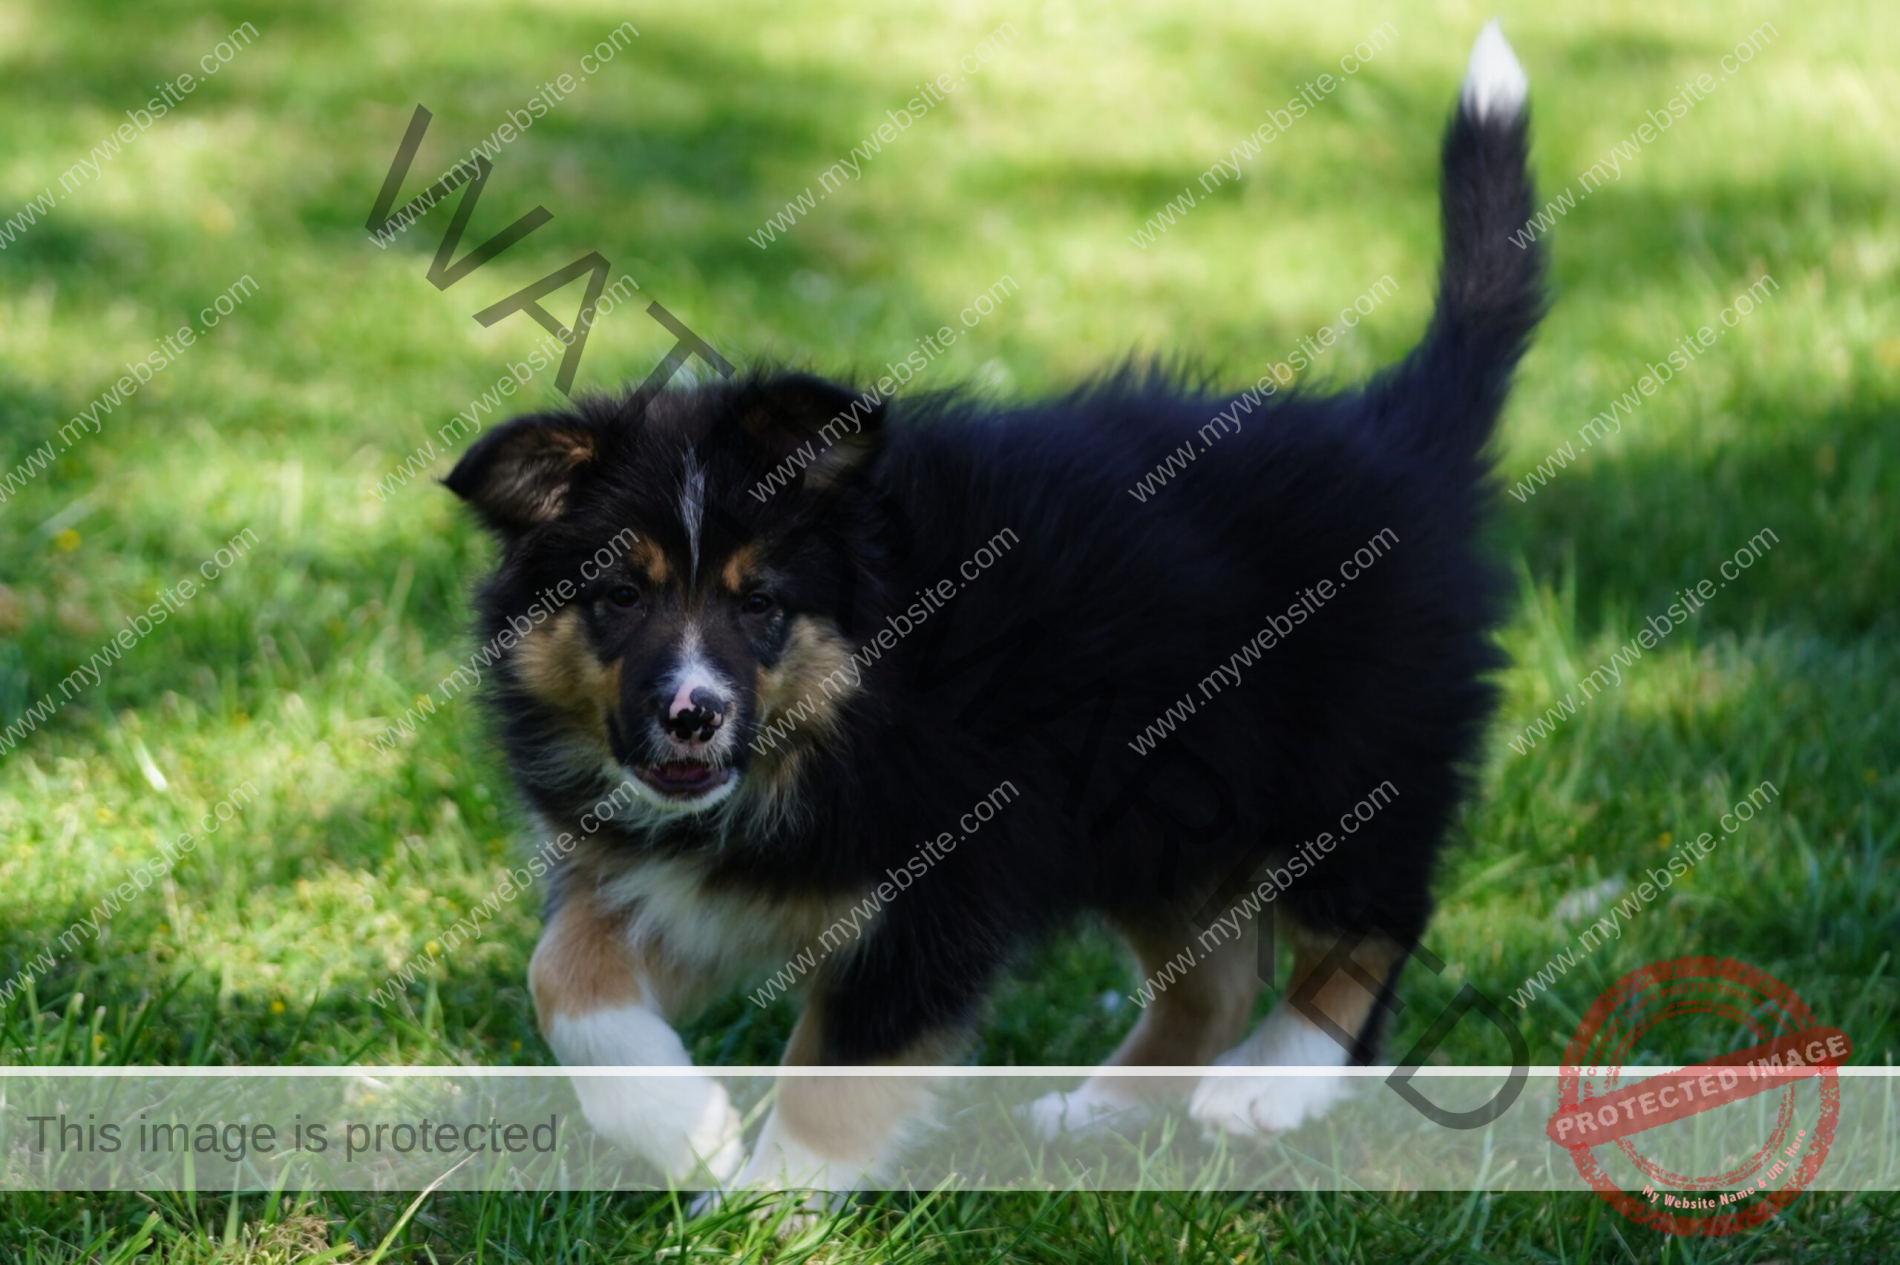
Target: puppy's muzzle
694, 715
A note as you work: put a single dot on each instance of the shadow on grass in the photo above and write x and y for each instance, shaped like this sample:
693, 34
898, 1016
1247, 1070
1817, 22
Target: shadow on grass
1640, 522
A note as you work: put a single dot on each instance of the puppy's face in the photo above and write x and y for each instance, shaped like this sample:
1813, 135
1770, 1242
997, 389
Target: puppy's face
684, 564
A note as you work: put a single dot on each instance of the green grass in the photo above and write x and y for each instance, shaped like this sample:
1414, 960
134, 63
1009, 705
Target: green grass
262, 945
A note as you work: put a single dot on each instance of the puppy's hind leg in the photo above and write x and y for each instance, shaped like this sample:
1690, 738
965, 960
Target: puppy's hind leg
1198, 988
602, 998
1326, 1021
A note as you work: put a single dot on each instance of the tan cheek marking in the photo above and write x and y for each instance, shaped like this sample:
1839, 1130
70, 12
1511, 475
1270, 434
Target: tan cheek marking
814, 666
850, 1118
558, 666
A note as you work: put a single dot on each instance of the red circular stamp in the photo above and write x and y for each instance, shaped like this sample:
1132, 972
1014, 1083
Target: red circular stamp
1599, 1105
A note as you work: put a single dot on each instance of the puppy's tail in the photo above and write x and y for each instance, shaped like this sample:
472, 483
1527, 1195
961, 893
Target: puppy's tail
1451, 389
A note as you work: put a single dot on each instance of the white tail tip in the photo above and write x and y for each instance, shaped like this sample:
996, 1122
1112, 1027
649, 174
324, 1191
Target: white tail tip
1494, 81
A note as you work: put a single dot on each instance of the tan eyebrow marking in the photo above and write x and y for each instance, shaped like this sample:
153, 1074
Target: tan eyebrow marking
739, 568
651, 560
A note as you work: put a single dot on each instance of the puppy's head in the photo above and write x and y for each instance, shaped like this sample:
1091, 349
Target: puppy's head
680, 572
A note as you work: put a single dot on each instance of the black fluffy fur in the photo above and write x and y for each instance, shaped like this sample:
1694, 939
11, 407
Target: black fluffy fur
1040, 671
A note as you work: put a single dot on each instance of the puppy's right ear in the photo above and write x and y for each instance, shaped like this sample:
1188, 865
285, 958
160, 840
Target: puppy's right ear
518, 476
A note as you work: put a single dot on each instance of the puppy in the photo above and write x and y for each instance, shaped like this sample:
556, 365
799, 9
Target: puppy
867, 697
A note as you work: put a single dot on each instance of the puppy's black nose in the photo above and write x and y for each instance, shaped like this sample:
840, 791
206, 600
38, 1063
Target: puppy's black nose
695, 717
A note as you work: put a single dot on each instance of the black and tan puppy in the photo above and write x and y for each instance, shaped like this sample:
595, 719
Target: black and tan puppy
841, 627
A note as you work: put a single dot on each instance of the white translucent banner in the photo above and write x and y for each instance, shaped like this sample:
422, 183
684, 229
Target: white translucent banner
1705, 1136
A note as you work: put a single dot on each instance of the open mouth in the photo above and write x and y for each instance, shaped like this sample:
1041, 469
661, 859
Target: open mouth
683, 779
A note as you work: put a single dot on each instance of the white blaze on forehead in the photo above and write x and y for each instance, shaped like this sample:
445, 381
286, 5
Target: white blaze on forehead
693, 507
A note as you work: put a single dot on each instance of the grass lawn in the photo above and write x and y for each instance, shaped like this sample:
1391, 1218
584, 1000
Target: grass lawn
341, 593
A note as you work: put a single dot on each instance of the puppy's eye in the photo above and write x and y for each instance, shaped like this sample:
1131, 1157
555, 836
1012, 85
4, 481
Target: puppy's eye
624, 595
757, 603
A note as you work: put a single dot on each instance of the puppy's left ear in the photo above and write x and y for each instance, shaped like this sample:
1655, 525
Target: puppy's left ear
829, 429
518, 476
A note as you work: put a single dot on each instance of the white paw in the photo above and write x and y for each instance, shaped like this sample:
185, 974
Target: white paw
1249, 1106
685, 1126
1089, 1110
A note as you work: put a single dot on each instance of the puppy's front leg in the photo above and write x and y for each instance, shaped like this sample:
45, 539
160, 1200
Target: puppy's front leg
602, 998
903, 998
831, 1133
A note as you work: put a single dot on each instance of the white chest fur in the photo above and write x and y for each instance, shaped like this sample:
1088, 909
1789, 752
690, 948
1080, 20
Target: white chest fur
721, 931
